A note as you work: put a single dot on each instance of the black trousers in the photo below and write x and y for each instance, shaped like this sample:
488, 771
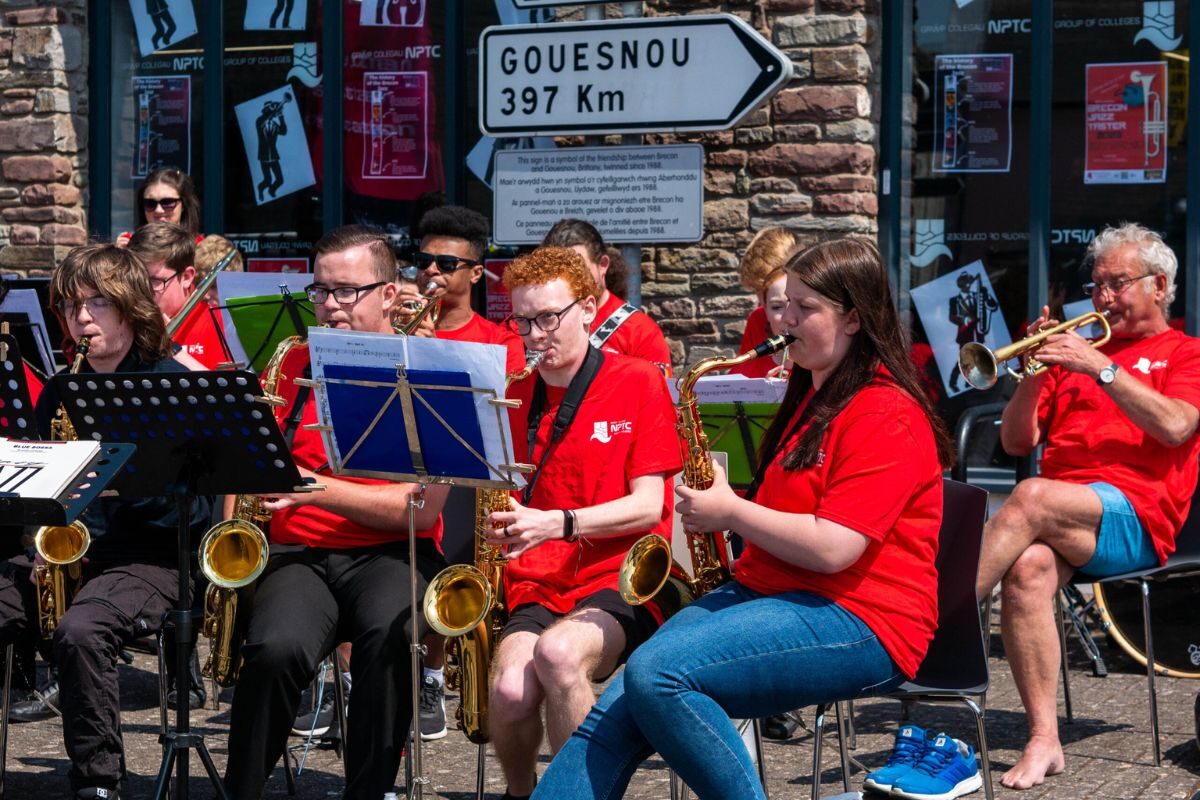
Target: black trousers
116, 605
305, 604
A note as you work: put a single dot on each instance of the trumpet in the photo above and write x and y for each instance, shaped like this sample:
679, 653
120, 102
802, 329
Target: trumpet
981, 366
432, 307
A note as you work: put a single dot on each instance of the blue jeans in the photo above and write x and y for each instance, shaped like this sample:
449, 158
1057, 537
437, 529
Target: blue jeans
732, 653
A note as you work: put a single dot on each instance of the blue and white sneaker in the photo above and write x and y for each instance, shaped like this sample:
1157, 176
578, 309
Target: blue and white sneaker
946, 771
908, 750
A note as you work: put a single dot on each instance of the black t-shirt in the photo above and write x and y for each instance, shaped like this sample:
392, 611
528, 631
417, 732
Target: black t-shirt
141, 530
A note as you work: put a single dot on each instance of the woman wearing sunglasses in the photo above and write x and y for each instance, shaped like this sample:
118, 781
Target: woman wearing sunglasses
168, 195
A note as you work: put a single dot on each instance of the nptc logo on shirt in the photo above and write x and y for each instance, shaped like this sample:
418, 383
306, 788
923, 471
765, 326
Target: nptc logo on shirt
604, 431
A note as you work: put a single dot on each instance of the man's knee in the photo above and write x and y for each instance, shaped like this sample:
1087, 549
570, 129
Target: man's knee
514, 695
562, 659
1033, 574
1031, 500
275, 655
81, 629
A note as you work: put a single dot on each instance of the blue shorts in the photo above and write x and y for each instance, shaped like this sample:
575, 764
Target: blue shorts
1122, 545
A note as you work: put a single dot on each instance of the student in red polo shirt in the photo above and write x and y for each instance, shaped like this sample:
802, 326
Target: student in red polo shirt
601, 483
619, 327
760, 268
836, 592
338, 566
168, 251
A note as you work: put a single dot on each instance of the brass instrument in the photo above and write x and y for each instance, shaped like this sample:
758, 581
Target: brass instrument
981, 366
233, 553
648, 566
432, 308
466, 603
198, 292
61, 547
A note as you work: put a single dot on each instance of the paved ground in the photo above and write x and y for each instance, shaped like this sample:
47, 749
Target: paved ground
1108, 747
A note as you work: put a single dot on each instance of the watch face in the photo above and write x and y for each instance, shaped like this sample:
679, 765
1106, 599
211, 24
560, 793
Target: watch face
1108, 375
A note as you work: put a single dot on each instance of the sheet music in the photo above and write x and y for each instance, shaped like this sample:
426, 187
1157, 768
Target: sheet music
736, 389
42, 469
481, 366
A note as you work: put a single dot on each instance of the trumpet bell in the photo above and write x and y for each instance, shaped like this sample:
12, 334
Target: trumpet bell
645, 569
62, 544
233, 553
978, 366
457, 600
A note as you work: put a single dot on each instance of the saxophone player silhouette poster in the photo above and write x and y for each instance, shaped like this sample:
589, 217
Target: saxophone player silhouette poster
1126, 123
276, 145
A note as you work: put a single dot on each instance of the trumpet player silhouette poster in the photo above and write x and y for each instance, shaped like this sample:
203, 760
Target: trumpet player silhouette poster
973, 113
161, 24
1126, 120
957, 308
276, 145
276, 15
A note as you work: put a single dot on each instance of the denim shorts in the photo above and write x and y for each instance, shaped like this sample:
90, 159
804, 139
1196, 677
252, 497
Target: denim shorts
1123, 544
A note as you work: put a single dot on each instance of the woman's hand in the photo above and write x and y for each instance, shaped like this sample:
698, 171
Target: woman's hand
523, 528
708, 510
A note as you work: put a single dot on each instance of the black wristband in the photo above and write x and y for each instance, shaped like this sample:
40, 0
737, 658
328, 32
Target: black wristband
569, 534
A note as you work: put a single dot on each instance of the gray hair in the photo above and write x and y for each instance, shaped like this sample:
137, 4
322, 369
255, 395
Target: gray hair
1156, 257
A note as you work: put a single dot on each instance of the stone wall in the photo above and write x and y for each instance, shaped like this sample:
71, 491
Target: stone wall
43, 132
806, 161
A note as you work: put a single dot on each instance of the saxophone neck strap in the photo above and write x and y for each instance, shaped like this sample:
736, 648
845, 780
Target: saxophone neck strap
292, 421
610, 325
567, 409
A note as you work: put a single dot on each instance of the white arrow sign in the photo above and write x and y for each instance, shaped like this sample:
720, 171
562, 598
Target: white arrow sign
693, 73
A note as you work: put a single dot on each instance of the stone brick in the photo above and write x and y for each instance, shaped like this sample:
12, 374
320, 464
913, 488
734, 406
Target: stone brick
16, 107
29, 93
759, 116
696, 259
741, 184
28, 135
798, 133
777, 185
848, 5
761, 135
781, 203
70, 133
24, 259
663, 288
37, 16
678, 308
18, 78
715, 282
678, 354
789, 6
696, 354
727, 158
838, 224
719, 181
785, 159
808, 30
24, 234
52, 100
846, 204
851, 130
733, 331
41, 214
838, 183
6, 46
841, 63
63, 235
9, 193
739, 305
688, 327
822, 103
27, 169
723, 215
50, 194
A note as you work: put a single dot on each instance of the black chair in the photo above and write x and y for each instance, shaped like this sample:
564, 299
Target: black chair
955, 668
1186, 556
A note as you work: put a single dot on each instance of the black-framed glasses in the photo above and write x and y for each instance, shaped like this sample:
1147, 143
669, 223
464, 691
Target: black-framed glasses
344, 295
446, 264
95, 306
1114, 288
165, 203
159, 285
547, 320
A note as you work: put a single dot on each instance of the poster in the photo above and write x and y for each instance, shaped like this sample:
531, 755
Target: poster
162, 23
164, 123
292, 265
957, 308
393, 13
1126, 123
276, 146
395, 117
499, 301
276, 15
973, 113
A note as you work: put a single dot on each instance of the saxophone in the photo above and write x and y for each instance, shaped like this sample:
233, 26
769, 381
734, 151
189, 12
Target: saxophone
61, 547
466, 603
233, 553
648, 566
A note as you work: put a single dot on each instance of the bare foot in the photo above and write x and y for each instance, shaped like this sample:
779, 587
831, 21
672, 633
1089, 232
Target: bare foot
1043, 756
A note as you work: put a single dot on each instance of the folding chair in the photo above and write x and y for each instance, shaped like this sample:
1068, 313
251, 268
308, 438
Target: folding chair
955, 667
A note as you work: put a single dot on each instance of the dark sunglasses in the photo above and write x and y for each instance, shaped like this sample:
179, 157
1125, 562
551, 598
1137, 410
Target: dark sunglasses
446, 264
168, 204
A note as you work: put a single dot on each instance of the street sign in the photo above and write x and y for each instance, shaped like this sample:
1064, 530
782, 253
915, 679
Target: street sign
691, 73
638, 194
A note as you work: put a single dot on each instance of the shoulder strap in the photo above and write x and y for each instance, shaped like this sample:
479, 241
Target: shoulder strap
292, 422
576, 391
610, 325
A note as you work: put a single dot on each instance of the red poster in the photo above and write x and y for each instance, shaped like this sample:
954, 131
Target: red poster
277, 265
1126, 123
499, 303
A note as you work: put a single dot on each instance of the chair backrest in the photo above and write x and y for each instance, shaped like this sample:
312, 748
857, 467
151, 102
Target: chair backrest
1187, 543
956, 659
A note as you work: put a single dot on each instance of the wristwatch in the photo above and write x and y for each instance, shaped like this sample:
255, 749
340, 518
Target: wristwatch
569, 534
1107, 375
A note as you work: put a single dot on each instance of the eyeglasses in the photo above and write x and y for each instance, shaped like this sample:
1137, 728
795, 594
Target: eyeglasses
166, 203
446, 264
547, 320
94, 305
1114, 288
344, 295
159, 285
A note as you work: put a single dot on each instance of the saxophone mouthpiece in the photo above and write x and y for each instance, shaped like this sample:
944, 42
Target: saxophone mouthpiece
774, 344
533, 358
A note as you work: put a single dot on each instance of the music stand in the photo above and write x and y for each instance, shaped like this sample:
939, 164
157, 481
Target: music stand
261, 315
390, 400
197, 433
17, 420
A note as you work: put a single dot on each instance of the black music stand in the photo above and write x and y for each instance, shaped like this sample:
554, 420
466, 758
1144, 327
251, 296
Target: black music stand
17, 420
197, 433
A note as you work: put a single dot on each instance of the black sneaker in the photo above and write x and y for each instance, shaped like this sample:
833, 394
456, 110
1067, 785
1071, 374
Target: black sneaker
779, 727
433, 709
97, 793
196, 692
317, 722
42, 705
